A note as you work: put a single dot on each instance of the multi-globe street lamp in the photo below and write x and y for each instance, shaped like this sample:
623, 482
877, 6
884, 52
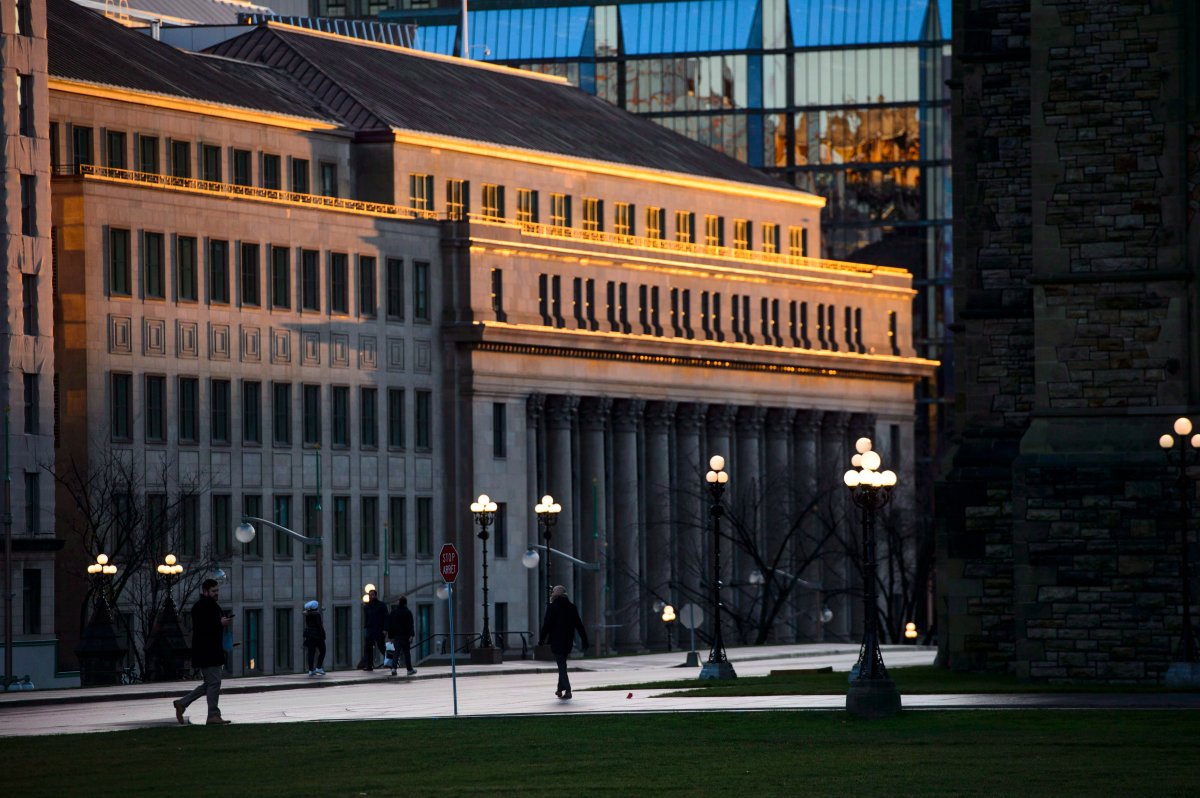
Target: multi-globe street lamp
167, 644
872, 692
484, 510
547, 514
99, 651
717, 667
1185, 672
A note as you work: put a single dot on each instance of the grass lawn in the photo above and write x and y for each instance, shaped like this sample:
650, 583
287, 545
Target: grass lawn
1014, 752
921, 679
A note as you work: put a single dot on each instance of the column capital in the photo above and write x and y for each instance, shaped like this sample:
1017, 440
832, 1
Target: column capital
689, 416
862, 425
807, 422
535, 408
835, 424
659, 416
626, 413
721, 418
779, 420
750, 418
561, 411
594, 412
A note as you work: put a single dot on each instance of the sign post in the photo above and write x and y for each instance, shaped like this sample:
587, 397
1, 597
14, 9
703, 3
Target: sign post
692, 616
448, 567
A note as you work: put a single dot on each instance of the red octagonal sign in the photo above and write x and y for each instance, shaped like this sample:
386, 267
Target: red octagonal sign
448, 562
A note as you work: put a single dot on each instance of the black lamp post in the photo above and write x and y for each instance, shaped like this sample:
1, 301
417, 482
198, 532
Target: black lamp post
485, 512
1185, 672
547, 513
872, 692
99, 651
717, 666
167, 645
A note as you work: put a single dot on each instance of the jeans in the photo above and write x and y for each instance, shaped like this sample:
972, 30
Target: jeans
211, 686
315, 653
564, 684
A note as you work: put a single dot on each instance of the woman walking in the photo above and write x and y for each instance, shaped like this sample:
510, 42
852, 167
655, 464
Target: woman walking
314, 639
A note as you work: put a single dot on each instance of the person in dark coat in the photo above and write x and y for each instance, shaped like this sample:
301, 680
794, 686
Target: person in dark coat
375, 615
400, 631
559, 626
208, 653
314, 639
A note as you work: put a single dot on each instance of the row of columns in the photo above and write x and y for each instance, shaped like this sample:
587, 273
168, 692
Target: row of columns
629, 474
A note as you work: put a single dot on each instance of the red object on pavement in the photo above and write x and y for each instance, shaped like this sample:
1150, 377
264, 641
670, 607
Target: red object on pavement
448, 563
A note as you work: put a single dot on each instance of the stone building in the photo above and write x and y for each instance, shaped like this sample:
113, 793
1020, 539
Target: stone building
348, 287
1075, 133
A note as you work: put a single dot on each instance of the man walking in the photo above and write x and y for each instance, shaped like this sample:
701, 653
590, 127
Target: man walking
401, 630
375, 615
208, 654
560, 625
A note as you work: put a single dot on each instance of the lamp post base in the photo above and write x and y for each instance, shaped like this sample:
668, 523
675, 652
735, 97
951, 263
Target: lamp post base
718, 670
1183, 674
873, 698
693, 660
487, 656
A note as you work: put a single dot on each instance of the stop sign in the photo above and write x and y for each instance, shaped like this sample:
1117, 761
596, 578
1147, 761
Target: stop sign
448, 563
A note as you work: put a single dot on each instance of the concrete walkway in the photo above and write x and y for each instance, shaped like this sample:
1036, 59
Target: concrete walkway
514, 688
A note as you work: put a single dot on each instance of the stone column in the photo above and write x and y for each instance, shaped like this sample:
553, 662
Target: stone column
691, 509
835, 461
806, 468
748, 491
535, 464
779, 515
659, 542
594, 535
560, 415
626, 553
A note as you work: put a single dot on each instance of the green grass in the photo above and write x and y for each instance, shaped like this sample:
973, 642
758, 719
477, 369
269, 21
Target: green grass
1014, 752
917, 680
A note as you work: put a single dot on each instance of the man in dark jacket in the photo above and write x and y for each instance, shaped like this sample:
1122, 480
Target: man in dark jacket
208, 626
375, 615
400, 631
559, 626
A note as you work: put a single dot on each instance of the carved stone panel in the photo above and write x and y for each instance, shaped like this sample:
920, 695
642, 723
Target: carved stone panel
154, 337
281, 345
120, 335
218, 341
339, 350
187, 339
310, 348
422, 355
395, 354
251, 344
368, 352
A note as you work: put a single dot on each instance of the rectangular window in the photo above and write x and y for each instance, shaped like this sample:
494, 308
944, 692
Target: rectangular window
397, 528
189, 525
81, 147
420, 192
685, 227
29, 303
120, 279
593, 214
395, 288
251, 411
424, 526
770, 237
623, 219
456, 200
367, 302
310, 279
122, 390
156, 408
499, 430
32, 422
181, 159
241, 168
560, 210
281, 414
370, 526
210, 162
152, 264
31, 600
250, 278
24, 21
271, 168
280, 277
500, 531
283, 517
329, 179
714, 231
28, 205
252, 663
114, 149
339, 412
527, 205
300, 172
222, 522
33, 504
189, 409
312, 524
797, 242
341, 526
221, 401
424, 419
218, 272
498, 294
420, 290
343, 633
283, 639
186, 272
148, 154
252, 506
741, 234
493, 201
368, 417
312, 414
25, 103
339, 291
656, 220
396, 418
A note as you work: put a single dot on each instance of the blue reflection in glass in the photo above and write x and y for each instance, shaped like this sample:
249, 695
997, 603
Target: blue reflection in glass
819, 23
441, 39
688, 26
529, 33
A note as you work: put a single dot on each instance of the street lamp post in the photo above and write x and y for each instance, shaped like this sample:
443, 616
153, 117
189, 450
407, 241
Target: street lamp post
1185, 672
245, 532
485, 512
717, 667
99, 651
872, 692
167, 643
547, 514
668, 617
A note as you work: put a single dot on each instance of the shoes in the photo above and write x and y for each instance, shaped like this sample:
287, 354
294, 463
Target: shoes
566, 696
411, 671
370, 668
558, 693
313, 672
393, 671
319, 671
179, 709
217, 720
